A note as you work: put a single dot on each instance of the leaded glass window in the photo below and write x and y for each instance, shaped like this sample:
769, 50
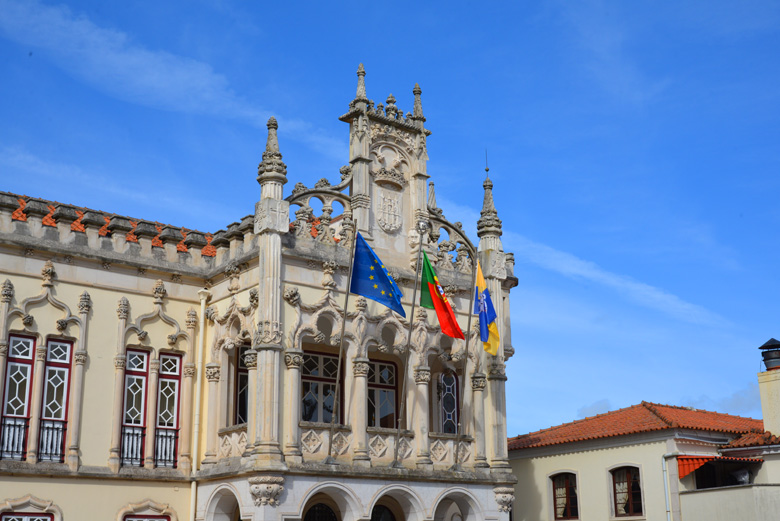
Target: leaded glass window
318, 387
381, 394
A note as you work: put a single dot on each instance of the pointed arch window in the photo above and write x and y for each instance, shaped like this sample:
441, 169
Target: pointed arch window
447, 392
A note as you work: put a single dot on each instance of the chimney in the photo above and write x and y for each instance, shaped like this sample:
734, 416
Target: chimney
769, 386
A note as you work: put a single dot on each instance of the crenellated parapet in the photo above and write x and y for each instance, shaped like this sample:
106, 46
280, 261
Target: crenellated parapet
111, 240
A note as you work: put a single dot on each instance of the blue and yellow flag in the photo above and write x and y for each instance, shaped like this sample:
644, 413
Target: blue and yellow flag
483, 306
370, 278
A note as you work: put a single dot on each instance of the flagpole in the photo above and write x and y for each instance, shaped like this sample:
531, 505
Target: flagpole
330, 460
421, 228
456, 467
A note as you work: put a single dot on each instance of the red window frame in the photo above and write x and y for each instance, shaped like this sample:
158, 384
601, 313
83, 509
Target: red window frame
25, 515
632, 480
137, 373
375, 385
170, 377
68, 366
571, 508
28, 403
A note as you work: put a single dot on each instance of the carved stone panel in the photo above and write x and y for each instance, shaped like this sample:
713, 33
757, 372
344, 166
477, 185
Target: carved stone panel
272, 215
388, 210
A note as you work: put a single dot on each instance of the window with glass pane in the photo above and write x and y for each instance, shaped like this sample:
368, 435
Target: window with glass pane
55, 401
11, 516
381, 394
448, 403
134, 408
565, 496
167, 429
318, 387
16, 401
627, 491
242, 388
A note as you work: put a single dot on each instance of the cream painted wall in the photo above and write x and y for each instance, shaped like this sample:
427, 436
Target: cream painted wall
106, 497
742, 503
535, 502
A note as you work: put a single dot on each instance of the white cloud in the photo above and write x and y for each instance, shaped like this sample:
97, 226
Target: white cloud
597, 407
571, 266
111, 62
745, 401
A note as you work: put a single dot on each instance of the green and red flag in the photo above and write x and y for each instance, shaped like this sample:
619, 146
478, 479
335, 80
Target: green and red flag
432, 297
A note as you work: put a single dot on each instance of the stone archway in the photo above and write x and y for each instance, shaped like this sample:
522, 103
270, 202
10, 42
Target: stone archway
223, 506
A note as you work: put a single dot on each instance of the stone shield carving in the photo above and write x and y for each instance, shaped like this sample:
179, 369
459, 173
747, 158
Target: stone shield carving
389, 211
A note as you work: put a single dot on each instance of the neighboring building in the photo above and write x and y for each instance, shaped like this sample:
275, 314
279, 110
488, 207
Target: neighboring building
654, 462
151, 372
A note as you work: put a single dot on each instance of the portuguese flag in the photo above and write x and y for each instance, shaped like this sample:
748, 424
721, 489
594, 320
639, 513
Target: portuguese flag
432, 297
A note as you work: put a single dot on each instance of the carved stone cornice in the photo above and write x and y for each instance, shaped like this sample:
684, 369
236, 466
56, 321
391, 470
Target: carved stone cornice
266, 490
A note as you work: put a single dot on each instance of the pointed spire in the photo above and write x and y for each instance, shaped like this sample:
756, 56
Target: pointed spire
361, 86
488, 223
272, 165
431, 195
417, 111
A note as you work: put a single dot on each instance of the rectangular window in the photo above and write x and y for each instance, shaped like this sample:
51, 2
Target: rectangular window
447, 392
318, 387
134, 408
167, 431
241, 398
11, 516
565, 496
16, 397
627, 491
54, 409
381, 394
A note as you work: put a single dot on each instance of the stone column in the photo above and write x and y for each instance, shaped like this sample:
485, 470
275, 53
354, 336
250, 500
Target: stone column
271, 220
35, 404
212, 376
151, 413
250, 359
360, 455
114, 457
292, 443
185, 412
6, 294
360, 156
478, 384
499, 459
77, 384
422, 378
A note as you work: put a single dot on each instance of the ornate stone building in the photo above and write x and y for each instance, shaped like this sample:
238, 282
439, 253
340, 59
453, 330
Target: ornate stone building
152, 372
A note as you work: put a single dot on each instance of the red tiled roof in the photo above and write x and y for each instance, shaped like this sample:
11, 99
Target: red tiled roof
645, 417
753, 439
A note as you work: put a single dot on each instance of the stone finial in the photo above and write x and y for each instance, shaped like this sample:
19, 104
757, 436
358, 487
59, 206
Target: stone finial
48, 273
391, 110
85, 303
192, 318
159, 290
488, 223
123, 308
417, 111
272, 167
361, 86
7, 292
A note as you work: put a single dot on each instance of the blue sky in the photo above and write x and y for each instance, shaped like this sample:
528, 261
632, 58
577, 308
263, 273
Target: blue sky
633, 145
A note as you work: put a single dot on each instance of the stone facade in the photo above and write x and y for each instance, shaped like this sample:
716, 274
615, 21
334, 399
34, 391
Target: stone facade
204, 367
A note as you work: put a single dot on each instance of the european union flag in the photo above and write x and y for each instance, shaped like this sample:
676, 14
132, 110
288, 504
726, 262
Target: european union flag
370, 278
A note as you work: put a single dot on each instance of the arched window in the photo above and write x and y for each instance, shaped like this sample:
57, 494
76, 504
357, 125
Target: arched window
565, 496
382, 513
447, 394
627, 491
320, 512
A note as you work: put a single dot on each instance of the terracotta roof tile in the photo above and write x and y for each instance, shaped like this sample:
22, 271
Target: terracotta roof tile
753, 439
644, 417
18, 214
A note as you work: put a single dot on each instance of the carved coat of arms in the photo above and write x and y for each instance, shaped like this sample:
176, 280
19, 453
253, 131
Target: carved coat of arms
389, 212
